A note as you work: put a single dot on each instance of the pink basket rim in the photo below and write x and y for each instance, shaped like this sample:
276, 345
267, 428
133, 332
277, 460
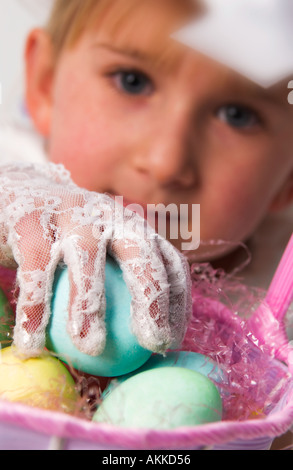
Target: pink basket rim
69, 427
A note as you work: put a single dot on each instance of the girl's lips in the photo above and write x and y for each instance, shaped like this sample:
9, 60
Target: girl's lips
171, 222
148, 210
127, 203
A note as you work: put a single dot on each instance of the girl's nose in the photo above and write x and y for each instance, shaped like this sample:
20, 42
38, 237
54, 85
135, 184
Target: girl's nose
169, 155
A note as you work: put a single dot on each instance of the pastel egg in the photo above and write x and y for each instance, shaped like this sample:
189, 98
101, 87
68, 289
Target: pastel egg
162, 398
186, 359
122, 353
42, 382
6, 321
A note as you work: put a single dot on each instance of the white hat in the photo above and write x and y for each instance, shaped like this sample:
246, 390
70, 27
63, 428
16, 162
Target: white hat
253, 37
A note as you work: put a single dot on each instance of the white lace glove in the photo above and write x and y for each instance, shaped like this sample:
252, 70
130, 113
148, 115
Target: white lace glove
44, 219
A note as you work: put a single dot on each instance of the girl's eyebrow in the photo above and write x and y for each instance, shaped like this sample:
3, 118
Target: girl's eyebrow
157, 56
275, 96
241, 86
129, 51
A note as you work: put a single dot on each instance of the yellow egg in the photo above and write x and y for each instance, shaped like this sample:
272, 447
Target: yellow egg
39, 382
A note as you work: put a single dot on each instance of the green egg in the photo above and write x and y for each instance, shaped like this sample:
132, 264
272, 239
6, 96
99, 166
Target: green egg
6, 321
163, 398
186, 359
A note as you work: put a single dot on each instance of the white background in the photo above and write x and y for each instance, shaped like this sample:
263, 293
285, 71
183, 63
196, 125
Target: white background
17, 17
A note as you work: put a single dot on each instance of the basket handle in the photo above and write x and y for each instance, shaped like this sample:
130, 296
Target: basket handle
267, 323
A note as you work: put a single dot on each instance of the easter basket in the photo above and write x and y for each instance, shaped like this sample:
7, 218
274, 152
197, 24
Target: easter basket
257, 390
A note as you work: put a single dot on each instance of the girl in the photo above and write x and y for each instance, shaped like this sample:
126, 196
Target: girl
129, 112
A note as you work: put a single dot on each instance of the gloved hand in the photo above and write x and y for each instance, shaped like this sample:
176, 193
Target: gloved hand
45, 219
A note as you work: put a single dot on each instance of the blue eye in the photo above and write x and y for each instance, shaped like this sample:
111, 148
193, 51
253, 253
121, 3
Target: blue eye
133, 82
238, 116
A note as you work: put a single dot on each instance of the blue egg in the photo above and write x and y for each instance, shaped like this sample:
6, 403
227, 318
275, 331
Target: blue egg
122, 353
185, 359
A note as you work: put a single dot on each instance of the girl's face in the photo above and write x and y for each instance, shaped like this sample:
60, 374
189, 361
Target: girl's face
185, 131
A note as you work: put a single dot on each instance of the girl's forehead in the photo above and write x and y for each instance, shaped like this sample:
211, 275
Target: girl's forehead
145, 27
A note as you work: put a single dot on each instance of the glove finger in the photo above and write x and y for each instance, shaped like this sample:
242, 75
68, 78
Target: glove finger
179, 278
85, 257
145, 275
37, 259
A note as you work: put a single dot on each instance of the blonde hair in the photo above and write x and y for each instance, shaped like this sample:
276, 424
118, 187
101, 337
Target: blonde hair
71, 18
